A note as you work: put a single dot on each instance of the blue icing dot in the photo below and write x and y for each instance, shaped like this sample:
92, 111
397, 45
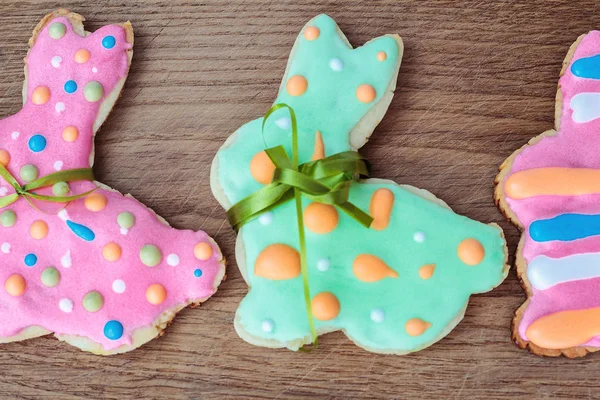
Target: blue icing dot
30, 260
588, 67
70, 86
113, 330
108, 42
37, 143
198, 273
82, 231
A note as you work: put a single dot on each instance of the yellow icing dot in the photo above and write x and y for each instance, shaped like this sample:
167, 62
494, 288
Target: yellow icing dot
471, 251
4, 157
95, 202
82, 56
365, 93
311, 33
156, 294
70, 134
416, 326
382, 56
38, 230
203, 251
320, 218
296, 85
15, 285
40, 95
278, 262
111, 252
325, 306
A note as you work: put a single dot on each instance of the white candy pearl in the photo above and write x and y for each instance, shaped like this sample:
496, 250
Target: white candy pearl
173, 260
419, 237
118, 286
266, 218
336, 64
65, 305
323, 264
377, 315
267, 325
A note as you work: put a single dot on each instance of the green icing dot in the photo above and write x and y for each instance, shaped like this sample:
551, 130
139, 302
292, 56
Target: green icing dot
50, 277
29, 173
150, 255
92, 301
57, 30
8, 218
126, 220
61, 189
93, 91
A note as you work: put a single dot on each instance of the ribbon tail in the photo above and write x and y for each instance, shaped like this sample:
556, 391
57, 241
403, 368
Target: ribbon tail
359, 215
8, 200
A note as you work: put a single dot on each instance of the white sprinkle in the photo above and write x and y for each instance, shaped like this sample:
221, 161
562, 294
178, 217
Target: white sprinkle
66, 260
377, 315
266, 218
60, 107
63, 214
58, 165
5, 248
124, 231
419, 237
284, 123
323, 264
94, 70
336, 64
268, 325
3, 191
15, 135
65, 305
55, 61
118, 286
173, 260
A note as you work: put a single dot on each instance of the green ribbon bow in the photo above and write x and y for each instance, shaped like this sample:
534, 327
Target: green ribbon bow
25, 191
325, 181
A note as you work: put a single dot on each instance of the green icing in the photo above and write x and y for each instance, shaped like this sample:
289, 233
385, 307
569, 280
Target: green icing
330, 106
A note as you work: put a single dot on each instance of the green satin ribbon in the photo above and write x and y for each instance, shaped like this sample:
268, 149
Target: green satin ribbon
325, 181
25, 191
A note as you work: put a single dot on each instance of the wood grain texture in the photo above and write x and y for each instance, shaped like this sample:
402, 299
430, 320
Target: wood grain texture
477, 81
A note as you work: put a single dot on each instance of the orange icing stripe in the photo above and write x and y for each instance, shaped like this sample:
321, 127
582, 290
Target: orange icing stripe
553, 181
319, 147
565, 329
380, 209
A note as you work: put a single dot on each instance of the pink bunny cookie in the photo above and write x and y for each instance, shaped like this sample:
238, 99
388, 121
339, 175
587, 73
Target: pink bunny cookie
105, 274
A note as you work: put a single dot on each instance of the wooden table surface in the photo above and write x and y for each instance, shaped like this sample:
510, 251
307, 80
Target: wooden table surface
477, 81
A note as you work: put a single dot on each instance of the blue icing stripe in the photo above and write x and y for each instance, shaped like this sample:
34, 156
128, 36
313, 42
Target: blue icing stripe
588, 67
565, 227
82, 231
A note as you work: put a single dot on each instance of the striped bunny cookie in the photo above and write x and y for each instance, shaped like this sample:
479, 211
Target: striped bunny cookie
396, 287
105, 273
548, 189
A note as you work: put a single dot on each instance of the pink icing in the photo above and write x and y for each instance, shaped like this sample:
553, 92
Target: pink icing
39, 305
575, 145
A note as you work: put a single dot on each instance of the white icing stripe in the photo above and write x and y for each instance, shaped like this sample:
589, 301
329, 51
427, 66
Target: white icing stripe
544, 272
586, 107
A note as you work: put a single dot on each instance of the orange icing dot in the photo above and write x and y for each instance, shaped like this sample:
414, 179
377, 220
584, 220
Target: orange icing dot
311, 33
365, 93
38, 230
380, 208
369, 268
278, 262
296, 85
40, 95
203, 251
426, 271
15, 285
319, 152
471, 251
111, 252
382, 56
262, 168
70, 134
325, 306
320, 218
82, 56
416, 326
4, 157
565, 329
156, 293
96, 202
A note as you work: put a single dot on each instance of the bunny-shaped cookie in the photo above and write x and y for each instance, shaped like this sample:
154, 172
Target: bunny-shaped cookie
395, 288
105, 273
548, 189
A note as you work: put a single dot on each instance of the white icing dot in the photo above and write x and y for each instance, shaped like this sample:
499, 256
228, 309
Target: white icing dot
173, 260
60, 107
118, 286
419, 237
5, 248
336, 64
284, 123
266, 218
377, 315
66, 260
15, 135
58, 165
323, 264
65, 305
55, 61
267, 325
94, 70
124, 231
3, 191
63, 214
